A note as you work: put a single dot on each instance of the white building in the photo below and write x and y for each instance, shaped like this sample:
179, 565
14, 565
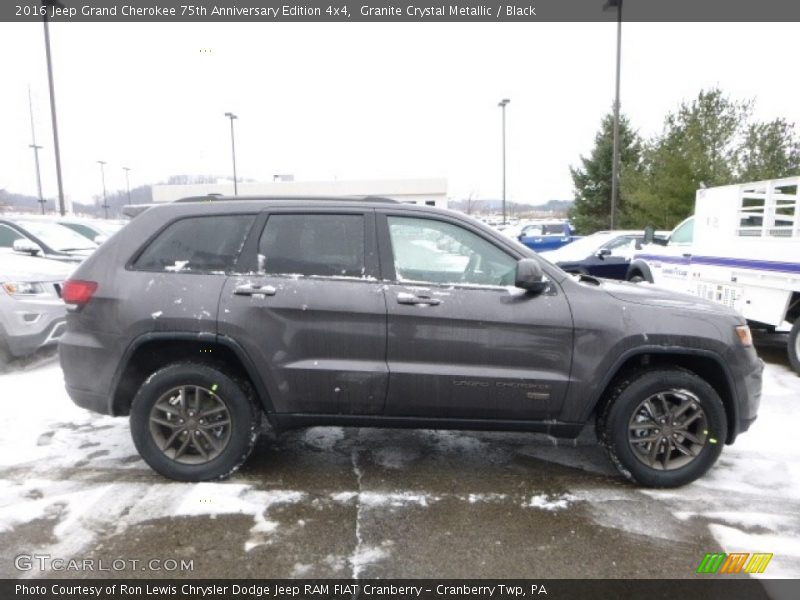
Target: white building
430, 192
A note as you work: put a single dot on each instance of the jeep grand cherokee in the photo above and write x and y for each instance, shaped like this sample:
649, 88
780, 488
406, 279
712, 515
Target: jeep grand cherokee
204, 319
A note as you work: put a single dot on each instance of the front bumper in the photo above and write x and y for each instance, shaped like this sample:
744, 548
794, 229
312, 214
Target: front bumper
23, 345
27, 324
748, 376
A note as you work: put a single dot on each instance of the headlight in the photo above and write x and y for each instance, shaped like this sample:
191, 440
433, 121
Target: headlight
744, 335
23, 288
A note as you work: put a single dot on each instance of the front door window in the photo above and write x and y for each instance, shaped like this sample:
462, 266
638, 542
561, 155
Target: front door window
431, 251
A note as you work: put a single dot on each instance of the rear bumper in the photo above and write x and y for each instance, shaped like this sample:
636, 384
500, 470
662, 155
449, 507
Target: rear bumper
88, 361
98, 403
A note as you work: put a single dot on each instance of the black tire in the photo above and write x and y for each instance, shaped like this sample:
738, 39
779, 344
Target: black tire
224, 446
637, 279
623, 427
793, 347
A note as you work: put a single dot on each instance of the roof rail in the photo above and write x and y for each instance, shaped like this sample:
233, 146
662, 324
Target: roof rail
219, 198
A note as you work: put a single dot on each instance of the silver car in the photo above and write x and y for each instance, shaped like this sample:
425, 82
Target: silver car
32, 313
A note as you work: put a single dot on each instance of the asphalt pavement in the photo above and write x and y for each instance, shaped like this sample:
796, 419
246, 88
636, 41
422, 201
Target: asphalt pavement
365, 503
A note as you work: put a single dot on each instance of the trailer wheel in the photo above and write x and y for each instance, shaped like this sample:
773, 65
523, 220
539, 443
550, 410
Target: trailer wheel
794, 346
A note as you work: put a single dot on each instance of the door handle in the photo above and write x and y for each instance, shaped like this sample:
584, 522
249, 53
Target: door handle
687, 255
406, 298
250, 289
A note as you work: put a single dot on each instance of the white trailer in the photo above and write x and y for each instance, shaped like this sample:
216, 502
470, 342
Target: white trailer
742, 249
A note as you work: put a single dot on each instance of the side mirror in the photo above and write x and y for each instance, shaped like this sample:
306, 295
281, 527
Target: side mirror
649, 234
529, 276
99, 239
26, 246
603, 252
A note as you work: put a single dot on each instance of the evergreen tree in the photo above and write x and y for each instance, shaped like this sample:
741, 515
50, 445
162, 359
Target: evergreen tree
699, 146
592, 180
769, 151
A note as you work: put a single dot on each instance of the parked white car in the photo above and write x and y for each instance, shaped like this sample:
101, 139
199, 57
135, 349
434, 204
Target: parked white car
32, 314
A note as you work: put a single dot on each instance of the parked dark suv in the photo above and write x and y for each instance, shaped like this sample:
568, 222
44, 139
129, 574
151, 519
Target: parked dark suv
209, 318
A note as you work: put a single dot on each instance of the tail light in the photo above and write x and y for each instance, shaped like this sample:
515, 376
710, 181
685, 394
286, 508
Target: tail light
78, 292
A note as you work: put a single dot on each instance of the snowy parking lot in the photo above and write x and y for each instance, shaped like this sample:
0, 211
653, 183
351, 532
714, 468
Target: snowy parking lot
334, 502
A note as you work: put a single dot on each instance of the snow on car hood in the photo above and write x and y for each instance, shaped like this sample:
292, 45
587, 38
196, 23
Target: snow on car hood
651, 295
19, 267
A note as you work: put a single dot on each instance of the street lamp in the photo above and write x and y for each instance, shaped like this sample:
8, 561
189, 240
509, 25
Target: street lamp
127, 182
502, 104
47, 4
615, 157
36, 149
102, 164
232, 116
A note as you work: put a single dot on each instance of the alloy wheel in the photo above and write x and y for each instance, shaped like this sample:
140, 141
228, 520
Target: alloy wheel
668, 430
190, 424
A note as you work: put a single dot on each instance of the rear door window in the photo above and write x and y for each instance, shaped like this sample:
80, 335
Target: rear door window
197, 244
323, 245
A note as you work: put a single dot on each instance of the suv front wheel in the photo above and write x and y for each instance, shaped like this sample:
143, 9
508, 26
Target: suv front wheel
663, 427
192, 422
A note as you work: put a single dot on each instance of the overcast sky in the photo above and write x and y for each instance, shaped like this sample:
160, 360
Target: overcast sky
362, 100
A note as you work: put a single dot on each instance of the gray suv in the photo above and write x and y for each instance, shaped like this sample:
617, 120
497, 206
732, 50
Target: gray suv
207, 319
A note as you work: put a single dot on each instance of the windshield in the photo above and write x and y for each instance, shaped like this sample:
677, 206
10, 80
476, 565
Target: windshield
57, 237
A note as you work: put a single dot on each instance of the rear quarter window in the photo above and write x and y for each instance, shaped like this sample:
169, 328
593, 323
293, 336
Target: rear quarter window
197, 244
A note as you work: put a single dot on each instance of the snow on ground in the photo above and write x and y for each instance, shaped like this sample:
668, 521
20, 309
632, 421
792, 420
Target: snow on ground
81, 470
752, 496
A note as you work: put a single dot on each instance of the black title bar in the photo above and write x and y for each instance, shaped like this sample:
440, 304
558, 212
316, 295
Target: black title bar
703, 588
340, 11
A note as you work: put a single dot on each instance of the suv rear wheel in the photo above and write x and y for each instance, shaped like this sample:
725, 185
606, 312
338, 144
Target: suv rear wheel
663, 427
192, 422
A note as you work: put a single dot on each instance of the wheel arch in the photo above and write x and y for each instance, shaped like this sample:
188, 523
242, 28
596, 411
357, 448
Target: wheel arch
151, 351
641, 267
706, 365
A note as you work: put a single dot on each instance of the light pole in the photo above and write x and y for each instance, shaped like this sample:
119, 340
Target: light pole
232, 116
47, 4
615, 157
102, 164
127, 182
502, 104
35, 152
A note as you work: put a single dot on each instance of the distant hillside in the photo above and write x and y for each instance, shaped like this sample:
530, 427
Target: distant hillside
555, 206
495, 206
12, 202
